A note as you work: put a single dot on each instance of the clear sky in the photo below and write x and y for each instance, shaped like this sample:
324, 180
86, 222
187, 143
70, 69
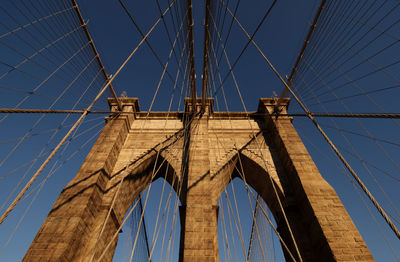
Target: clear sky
280, 37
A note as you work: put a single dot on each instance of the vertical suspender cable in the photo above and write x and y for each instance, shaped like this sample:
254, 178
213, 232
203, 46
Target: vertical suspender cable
23, 191
252, 229
311, 117
85, 29
303, 48
144, 226
191, 54
205, 56
333, 147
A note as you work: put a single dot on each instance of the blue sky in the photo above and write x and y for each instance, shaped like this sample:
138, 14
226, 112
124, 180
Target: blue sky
280, 37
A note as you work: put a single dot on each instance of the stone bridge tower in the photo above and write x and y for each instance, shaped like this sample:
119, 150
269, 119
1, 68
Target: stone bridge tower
199, 161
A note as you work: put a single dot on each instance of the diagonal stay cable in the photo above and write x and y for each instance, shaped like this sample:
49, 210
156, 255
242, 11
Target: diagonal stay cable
22, 192
350, 146
34, 22
75, 136
39, 33
252, 230
39, 133
207, 37
158, 226
283, 243
230, 224
85, 29
253, 211
346, 31
60, 67
42, 116
40, 186
229, 29
165, 125
61, 23
30, 43
364, 60
36, 94
248, 43
303, 48
53, 135
379, 69
126, 172
225, 239
328, 140
254, 134
147, 42
342, 43
357, 86
318, 37
146, 118
361, 135
51, 83
357, 94
385, 172
154, 173
342, 170
167, 30
366, 24
364, 162
40, 51
232, 216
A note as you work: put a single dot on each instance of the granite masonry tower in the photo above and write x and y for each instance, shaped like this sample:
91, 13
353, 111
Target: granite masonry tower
198, 152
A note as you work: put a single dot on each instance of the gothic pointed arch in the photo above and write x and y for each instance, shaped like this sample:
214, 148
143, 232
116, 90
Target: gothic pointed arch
242, 166
262, 150
138, 177
265, 183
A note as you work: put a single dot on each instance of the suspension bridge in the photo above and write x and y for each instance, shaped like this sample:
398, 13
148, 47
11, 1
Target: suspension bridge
216, 130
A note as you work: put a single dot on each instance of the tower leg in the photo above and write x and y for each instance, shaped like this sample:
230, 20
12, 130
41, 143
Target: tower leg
72, 225
322, 227
199, 234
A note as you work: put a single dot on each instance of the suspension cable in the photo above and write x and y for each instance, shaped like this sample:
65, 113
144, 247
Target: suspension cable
328, 140
85, 29
14, 203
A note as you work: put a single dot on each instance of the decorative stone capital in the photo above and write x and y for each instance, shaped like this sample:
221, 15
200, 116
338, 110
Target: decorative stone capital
268, 105
129, 104
209, 109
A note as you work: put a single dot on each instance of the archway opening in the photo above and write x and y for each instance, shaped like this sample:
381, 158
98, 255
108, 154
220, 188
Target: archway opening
152, 230
144, 217
244, 232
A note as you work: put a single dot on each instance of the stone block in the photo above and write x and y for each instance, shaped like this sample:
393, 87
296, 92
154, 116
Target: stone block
220, 143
